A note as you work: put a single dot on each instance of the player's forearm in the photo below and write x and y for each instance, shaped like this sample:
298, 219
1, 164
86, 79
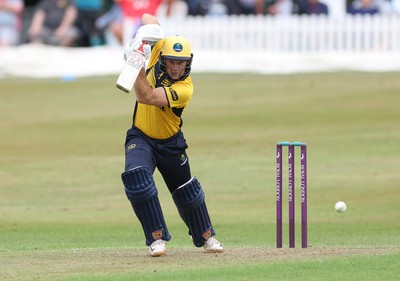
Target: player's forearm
142, 88
146, 94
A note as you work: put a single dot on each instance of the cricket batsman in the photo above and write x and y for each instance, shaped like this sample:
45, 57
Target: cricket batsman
156, 140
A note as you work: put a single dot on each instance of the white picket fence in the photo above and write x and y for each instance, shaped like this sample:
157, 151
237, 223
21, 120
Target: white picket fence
298, 34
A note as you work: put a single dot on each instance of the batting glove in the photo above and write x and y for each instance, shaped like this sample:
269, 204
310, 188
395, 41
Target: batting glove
133, 44
150, 33
146, 51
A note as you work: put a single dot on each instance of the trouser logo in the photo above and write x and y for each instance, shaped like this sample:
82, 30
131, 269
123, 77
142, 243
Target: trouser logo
183, 159
132, 146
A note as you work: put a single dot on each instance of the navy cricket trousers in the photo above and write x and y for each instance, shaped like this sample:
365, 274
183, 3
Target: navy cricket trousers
168, 156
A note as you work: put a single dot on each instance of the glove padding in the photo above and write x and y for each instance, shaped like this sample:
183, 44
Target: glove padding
146, 51
137, 44
133, 44
150, 33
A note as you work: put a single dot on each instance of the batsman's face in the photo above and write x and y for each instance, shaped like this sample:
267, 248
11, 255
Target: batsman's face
175, 68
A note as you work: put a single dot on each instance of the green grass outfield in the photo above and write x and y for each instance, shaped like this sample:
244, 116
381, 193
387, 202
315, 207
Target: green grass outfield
64, 214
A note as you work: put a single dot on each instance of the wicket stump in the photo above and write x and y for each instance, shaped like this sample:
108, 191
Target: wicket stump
291, 192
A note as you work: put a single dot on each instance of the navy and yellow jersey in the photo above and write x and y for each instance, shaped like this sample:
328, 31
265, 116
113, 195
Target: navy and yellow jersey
162, 122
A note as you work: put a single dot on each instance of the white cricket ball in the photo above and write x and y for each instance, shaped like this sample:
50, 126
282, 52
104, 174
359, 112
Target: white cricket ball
340, 207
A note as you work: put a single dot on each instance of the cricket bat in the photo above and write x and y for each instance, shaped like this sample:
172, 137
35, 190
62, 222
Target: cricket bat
130, 71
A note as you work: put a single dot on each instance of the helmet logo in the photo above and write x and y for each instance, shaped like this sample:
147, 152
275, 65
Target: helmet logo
178, 47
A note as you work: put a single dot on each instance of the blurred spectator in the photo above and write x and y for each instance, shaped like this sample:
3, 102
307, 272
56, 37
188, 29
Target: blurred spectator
310, 7
388, 6
110, 24
198, 7
245, 7
173, 8
300, 7
384, 6
132, 11
316, 7
53, 23
363, 7
278, 7
88, 12
10, 22
209, 7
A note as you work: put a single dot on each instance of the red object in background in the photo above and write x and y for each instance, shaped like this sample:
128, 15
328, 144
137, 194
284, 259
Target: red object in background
136, 8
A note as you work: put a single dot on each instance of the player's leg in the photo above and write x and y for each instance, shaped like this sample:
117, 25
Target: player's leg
188, 195
143, 195
175, 171
189, 198
173, 162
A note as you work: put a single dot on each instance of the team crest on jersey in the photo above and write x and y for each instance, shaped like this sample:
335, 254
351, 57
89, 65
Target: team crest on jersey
174, 95
157, 234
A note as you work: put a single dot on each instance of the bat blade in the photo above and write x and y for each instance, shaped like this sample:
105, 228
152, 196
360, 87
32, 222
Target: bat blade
130, 71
